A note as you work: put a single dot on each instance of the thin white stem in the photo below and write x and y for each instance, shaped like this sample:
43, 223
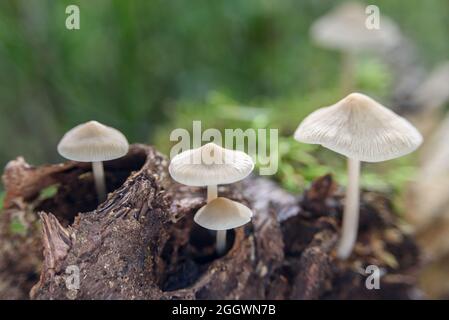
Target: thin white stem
212, 193
348, 72
220, 245
100, 183
221, 242
351, 211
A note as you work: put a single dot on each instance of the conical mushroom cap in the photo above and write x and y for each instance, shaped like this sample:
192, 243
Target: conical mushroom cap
360, 128
210, 165
223, 214
93, 141
345, 29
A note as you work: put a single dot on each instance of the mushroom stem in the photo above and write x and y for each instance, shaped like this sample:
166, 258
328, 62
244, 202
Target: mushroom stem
221, 242
348, 72
212, 193
351, 211
100, 183
220, 245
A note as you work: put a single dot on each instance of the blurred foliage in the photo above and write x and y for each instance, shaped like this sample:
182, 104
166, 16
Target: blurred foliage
48, 192
17, 227
147, 67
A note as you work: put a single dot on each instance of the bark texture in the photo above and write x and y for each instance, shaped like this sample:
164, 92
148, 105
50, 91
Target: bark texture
141, 243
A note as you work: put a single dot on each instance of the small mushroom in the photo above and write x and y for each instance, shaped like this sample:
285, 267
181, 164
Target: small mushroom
94, 142
362, 130
344, 29
222, 214
211, 165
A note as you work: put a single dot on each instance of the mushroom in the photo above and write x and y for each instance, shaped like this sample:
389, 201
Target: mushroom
211, 165
222, 214
362, 130
344, 29
94, 142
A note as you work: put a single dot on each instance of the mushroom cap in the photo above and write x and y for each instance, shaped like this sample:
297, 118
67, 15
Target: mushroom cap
344, 29
93, 141
360, 128
223, 214
210, 165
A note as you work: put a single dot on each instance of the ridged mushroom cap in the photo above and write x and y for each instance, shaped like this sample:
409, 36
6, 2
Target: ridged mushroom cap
360, 128
223, 214
210, 165
93, 141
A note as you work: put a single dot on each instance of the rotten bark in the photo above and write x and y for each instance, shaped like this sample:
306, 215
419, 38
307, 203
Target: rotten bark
141, 243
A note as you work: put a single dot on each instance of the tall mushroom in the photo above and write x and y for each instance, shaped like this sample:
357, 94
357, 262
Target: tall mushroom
209, 166
344, 29
362, 130
94, 142
222, 214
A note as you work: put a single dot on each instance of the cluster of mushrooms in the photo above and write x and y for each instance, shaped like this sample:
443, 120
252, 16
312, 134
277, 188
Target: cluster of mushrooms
357, 127
209, 166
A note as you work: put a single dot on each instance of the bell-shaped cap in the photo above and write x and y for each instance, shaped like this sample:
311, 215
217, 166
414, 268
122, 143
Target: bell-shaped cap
360, 128
223, 214
210, 165
345, 29
93, 141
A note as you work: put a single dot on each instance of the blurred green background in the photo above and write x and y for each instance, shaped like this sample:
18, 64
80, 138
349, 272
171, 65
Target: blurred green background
147, 67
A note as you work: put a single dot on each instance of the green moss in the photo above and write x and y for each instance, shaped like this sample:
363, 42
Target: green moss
16, 227
48, 192
2, 199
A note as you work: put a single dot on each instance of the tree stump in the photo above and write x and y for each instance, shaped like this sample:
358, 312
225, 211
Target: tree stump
142, 243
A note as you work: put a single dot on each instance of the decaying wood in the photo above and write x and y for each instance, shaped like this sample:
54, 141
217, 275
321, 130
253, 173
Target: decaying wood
141, 243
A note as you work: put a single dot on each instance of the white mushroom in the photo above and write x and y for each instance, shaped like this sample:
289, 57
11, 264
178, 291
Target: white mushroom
345, 29
94, 142
362, 130
211, 165
222, 214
